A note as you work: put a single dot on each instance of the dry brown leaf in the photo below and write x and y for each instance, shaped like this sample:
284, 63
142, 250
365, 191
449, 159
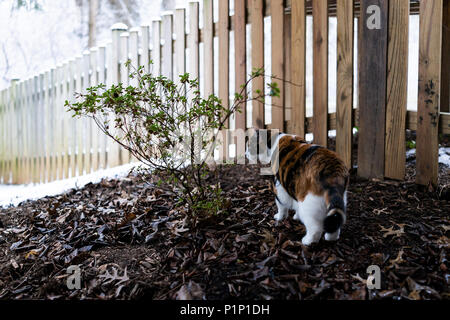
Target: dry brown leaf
391, 231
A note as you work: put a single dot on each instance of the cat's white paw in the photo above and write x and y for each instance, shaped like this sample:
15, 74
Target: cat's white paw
279, 216
297, 216
308, 240
332, 236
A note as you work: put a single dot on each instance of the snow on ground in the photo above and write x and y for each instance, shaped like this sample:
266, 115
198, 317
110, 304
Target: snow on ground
444, 155
15, 194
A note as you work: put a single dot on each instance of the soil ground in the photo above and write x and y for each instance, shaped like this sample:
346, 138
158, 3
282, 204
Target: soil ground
130, 241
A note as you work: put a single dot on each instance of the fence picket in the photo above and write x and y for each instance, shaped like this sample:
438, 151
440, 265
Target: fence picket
156, 50
133, 49
114, 154
47, 127
240, 52
95, 134
257, 40
13, 129
320, 71
208, 48
101, 79
145, 61
180, 43
287, 36
71, 126
20, 127
28, 120
79, 124
372, 52
277, 23
193, 40
396, 91
445, 67
125, 80
167, 49
344, 84
224, 68
430, 45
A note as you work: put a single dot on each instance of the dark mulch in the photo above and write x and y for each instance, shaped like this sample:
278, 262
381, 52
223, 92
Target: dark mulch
130, 242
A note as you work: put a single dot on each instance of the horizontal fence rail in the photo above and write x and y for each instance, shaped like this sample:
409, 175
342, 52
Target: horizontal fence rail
41, 142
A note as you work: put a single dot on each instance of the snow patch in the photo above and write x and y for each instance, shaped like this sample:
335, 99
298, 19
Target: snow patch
12, 195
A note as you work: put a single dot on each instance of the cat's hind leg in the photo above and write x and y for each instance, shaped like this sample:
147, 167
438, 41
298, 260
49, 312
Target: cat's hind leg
284, 202
282, 210
313, 210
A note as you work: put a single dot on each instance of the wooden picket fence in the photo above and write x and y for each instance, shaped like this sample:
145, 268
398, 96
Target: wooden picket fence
40, 142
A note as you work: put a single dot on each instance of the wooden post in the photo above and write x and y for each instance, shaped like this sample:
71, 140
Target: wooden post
430, 45
396, 92
320, 72
344, 96
298, 63
257, 38
373, 38
278, 105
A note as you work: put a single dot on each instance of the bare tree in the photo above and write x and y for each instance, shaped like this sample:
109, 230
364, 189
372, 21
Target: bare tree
93, 9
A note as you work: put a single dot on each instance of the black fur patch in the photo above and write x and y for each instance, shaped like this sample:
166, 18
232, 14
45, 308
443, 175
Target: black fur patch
309, 152
333, 222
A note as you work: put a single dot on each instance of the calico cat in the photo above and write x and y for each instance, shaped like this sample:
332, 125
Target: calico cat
309, 179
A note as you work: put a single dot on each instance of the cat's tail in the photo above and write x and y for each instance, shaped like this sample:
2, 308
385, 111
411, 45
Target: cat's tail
335, 198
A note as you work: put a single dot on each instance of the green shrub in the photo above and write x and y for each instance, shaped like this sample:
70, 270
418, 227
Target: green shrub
169, 127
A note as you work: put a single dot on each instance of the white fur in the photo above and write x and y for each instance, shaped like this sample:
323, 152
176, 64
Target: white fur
311, 212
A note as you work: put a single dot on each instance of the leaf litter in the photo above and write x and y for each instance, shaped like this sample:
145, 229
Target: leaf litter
131, 241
